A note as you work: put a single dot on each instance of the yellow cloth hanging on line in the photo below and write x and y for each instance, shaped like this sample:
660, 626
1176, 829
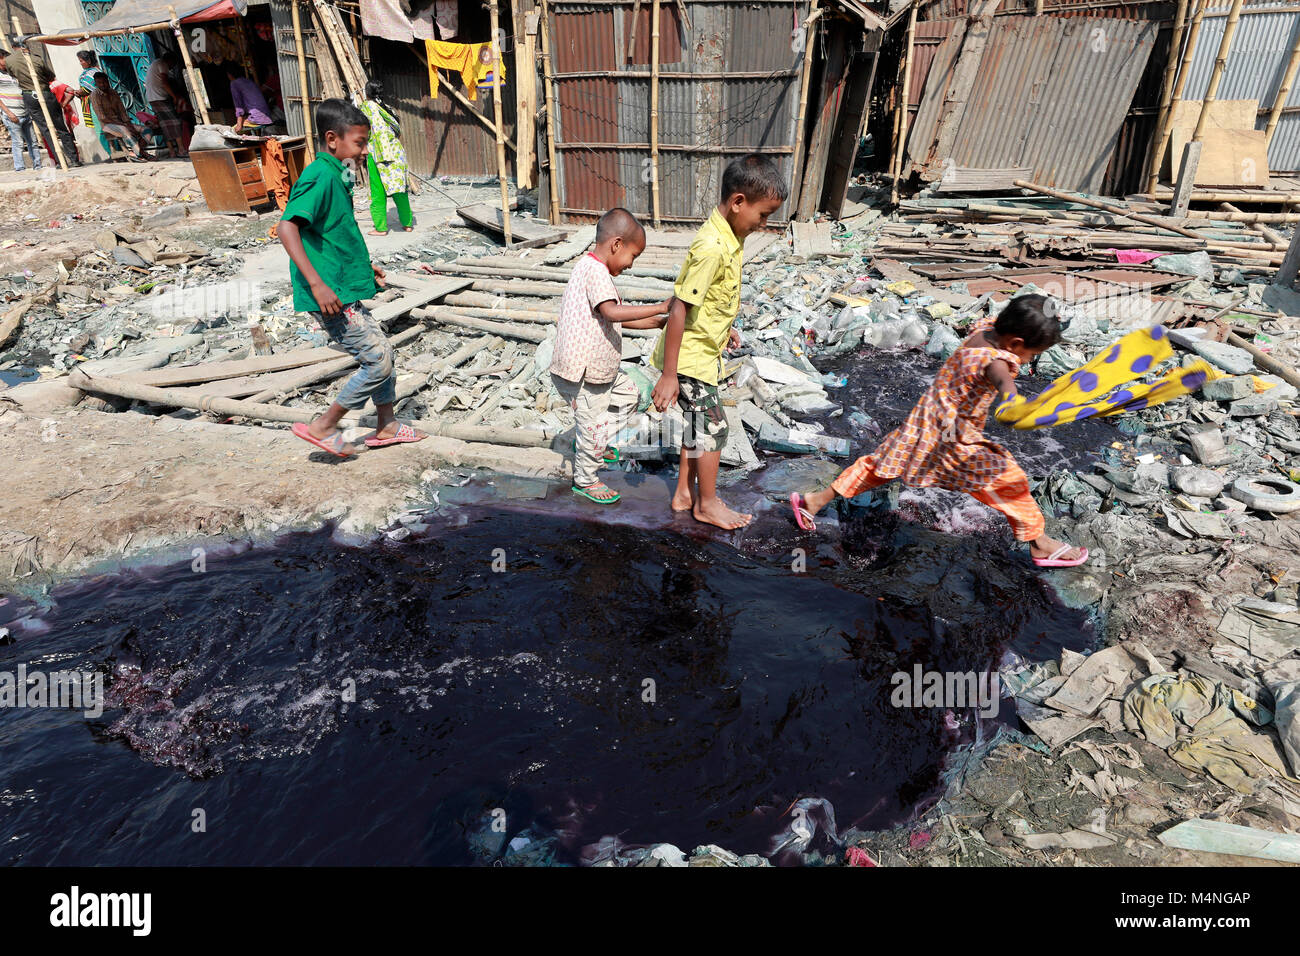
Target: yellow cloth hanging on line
1090, 391
473, 61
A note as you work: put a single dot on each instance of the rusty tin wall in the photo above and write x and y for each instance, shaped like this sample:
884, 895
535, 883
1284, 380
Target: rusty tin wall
1050, 93
603, 120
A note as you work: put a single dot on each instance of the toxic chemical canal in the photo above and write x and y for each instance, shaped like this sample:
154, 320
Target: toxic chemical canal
520, 674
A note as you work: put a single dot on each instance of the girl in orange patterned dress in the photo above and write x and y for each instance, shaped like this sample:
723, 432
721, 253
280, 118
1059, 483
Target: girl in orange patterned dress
942, 442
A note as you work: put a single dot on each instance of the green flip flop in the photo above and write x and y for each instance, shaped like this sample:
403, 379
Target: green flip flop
606, 457
578, 490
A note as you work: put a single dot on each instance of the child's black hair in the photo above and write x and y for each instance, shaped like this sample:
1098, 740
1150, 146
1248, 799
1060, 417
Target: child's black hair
1031, 318
338, 116
618, 222
755, 177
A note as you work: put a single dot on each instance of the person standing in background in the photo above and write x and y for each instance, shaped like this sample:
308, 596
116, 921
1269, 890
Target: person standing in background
22, 134
39, 86
167, 104
386, 160
89, 67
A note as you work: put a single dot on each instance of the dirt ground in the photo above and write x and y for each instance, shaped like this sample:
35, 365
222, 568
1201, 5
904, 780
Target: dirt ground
82, 487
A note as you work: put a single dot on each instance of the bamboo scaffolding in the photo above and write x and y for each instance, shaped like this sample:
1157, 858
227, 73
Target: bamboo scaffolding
45, 110
497, 86
196, 82
900, 143
796, 171
1216, 77
654, 113
1184, 71
548, 91
1283, 91
1171, 68
308, 121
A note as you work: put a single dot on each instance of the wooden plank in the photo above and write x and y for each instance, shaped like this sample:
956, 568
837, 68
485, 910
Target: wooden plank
1186, 178
969, 179
417, 293
216, 371
1233, 157
812, 239
575, 245
527, 233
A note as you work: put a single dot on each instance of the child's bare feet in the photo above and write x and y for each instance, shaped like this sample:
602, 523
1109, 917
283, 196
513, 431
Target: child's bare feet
715, 512
683, 500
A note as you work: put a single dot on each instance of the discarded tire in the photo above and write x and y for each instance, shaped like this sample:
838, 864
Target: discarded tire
1266, 493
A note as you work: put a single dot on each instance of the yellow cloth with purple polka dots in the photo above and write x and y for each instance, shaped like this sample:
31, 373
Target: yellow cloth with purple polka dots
1091, 391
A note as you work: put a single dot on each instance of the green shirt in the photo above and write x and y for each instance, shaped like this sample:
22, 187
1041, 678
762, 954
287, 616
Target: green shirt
330, 236
709, 284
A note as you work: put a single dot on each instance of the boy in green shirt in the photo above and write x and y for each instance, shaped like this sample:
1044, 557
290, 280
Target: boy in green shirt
689, 351
331, 272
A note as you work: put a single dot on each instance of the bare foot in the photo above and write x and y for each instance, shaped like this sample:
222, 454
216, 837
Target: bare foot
683, 501
1045, 547
717, 513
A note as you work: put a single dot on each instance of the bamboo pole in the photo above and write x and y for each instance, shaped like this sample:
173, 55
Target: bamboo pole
1171, 68
196, 84
1216, 77
548, 91
505, 330
654, 112
497, 86
1217, 245
1180, 85
1265, 361
796, 170
525, 94
45, 109
230, 407
901, 143
307, 119
1279, 100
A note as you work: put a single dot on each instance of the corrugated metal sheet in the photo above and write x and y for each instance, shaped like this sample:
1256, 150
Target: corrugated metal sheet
1261, 47
287, 59
696, 114
1050, 93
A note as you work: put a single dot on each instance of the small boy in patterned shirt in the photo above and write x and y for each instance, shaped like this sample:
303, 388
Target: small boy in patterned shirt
589, 347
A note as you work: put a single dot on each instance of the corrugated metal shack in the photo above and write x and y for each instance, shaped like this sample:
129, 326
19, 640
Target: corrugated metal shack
733, 76
1050, 93
1073, 90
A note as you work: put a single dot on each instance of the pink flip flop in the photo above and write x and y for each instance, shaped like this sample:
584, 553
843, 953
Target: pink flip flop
334, 444
1054, 560
802, 516
405, 434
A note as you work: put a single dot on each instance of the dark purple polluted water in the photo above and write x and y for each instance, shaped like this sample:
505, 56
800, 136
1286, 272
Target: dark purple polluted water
566, 671
328, 704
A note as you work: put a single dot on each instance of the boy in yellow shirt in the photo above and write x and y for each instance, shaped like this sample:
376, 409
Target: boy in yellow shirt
689, 351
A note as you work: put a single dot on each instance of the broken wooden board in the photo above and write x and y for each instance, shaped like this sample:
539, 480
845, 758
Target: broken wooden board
416, 293
1226, 118
575, 245
812, 239
1233, 157
896, 271
526, 233
216, 371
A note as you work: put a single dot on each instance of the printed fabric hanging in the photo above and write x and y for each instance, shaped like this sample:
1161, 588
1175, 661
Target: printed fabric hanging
1091, 391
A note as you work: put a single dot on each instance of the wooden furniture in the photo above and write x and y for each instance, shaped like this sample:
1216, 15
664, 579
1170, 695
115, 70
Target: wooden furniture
232, 180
